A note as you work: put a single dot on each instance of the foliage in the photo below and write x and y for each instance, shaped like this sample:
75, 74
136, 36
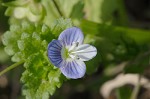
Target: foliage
125, 46
28, 42
34, 23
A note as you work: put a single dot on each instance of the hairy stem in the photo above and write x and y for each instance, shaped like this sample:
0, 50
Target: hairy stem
11, 67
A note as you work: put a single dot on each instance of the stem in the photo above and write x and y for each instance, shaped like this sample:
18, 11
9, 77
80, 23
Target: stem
149, 60
118, 94
57, 7
0, 39
136, 90
11, 67
140, 36
122, 13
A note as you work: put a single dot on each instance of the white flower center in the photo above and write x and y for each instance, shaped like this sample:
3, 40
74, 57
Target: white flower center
68, 52
82, 52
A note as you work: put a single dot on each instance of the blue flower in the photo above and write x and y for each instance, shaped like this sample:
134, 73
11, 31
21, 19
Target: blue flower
69, 53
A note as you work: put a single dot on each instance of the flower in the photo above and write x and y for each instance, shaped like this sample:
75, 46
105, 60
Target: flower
69, 53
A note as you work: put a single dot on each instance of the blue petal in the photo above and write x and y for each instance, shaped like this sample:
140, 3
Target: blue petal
73, 69
54, 52
71, 35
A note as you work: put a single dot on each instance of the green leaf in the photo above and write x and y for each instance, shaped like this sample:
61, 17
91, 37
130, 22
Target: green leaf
20, 9
117, 45
66, 8
40, 79
100, 10
60, 25
77, 11
139, 64
107, 9
140, 36
92, 10
3, 56
27, 41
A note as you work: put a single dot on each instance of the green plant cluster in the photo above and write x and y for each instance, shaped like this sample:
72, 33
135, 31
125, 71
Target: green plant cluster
28, 42
35, 23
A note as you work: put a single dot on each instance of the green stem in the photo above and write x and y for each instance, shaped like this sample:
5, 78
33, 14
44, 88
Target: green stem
138, 35
11, 67
136, 90
0, 39
57, 7
122, 13
118, 94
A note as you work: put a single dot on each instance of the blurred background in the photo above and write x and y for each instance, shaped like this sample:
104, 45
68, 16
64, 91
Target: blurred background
120, 29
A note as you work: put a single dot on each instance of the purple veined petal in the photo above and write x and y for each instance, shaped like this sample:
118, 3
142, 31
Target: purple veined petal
71, 35
84, 52
73, 69
54, 52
